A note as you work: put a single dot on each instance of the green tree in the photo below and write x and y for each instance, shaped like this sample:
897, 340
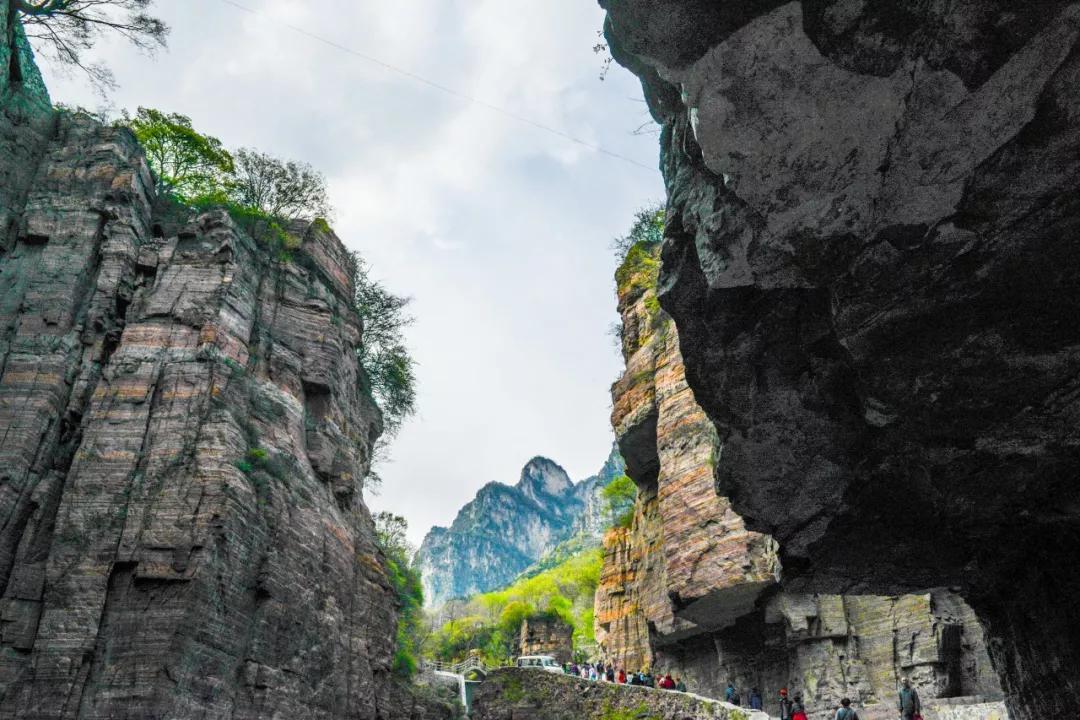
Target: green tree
283, 189
646, 230
404, 577
390, 532
383, 354
62, 30
493, 619
618, 496
184, 161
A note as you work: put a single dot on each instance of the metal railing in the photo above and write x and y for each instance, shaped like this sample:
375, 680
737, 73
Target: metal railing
459, 668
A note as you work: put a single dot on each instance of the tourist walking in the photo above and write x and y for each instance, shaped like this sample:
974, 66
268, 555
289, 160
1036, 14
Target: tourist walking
846, 712
609, 675
785, 705
666, 682
798, 710
909, 703
621, 677
679, 684
756, 702
729, 694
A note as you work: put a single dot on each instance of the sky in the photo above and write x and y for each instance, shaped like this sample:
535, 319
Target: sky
499, 231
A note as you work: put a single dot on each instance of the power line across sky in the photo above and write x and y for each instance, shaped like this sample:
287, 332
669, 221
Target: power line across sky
439, 86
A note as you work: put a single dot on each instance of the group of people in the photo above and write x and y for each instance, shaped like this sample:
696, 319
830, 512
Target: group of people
732, 696
793, 708
609, 673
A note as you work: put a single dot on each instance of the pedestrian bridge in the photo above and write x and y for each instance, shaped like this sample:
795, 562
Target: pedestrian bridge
467, 673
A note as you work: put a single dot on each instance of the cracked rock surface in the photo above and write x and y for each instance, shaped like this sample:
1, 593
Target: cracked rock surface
688, 589
871, 261
183, 439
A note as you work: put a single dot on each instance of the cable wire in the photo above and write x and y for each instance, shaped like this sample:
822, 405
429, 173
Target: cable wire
440, 87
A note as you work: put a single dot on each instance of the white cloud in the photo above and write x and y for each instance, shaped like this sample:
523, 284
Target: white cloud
498, 230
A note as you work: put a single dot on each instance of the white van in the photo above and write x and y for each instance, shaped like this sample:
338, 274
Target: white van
539, 662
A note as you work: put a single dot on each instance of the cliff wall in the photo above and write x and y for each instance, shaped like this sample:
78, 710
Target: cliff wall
183, 441
688, 588
870, 257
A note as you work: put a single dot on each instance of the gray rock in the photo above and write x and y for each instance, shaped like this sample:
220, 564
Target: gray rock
871, 261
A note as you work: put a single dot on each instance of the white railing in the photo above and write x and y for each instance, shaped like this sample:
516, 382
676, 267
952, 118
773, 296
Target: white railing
459, 668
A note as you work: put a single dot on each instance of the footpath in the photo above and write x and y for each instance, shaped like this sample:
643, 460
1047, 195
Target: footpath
524, 694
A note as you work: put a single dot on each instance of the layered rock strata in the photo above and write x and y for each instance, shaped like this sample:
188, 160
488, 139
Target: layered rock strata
546, 636
688, 588
183, 439
870, 257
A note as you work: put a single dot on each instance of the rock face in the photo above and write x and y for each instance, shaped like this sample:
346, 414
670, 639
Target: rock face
505, 529
870, 257
687, 588
522, 694
546, 636
183, 438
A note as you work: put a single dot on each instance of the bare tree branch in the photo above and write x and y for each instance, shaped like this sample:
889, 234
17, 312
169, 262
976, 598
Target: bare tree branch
62, 30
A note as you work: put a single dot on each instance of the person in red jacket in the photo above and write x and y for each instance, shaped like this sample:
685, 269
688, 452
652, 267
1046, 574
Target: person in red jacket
622, 676
667, 683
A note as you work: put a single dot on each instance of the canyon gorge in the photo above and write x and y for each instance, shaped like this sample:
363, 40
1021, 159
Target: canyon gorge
848, 403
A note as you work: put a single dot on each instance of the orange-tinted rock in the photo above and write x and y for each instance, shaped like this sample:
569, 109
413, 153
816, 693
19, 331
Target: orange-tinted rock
687, 588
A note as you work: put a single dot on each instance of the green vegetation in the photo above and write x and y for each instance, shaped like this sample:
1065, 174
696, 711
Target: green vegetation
640, 712
390, 368
492, 620
568, 548
264, 195
282, 189
619, 498
647, 230
639, 267
513, 691
261, 193
185, 162
639, 270
405, 579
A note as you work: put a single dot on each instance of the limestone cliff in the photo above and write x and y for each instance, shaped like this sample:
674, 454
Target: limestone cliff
870, 257
183, 440
507, 528
688, 588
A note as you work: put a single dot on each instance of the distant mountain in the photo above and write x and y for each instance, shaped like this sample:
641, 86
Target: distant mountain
592, 521
505, 529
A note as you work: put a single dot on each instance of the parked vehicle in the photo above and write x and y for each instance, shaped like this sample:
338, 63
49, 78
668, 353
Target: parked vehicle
539, 662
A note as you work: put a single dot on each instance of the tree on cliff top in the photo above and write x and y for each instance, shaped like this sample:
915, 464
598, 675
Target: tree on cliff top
185, 162
646, 230
283, 189
62, 30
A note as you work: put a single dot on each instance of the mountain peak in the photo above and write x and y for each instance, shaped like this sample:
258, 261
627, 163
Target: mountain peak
542, 477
